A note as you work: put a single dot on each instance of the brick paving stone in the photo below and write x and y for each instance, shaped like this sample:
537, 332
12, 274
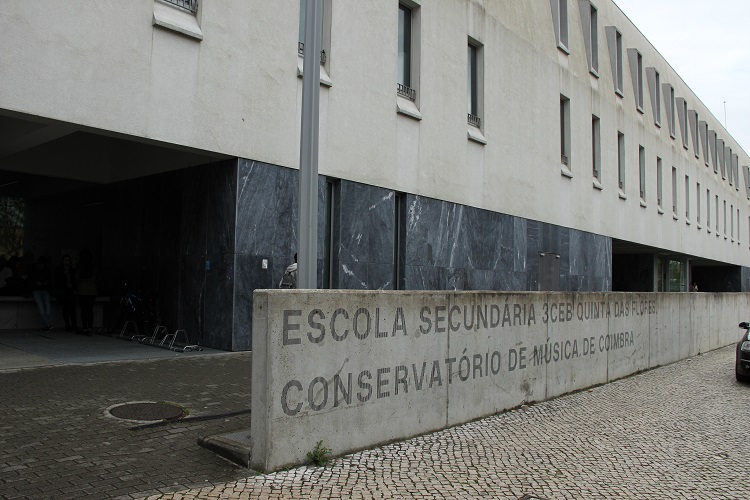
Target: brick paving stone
671, 432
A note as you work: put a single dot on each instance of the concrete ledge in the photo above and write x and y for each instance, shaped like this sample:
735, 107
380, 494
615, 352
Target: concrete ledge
234, 446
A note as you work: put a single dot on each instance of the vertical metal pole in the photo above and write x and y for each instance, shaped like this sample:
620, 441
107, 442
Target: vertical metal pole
307, 255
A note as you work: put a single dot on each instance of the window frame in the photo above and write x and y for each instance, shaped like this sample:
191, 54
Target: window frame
659, 185
596, 151
590, 27
614, 41
561, 24
621, 164
642, 172
565, 133
408, 96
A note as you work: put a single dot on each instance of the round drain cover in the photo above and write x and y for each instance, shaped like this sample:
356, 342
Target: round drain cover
147, 411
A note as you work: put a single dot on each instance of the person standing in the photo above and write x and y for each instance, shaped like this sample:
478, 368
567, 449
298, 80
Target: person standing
41, 280
65, 287
289, 279
86, 286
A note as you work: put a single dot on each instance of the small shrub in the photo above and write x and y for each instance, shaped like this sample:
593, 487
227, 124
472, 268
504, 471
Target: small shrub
320, 455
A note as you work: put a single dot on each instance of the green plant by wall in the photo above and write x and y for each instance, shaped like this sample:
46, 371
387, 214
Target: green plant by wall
320, 455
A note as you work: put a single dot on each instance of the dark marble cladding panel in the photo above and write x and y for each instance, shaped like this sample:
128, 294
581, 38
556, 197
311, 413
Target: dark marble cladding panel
479, 279
435, 233
550, 238
519, 244
484, 236
219, 302
533, 243
380, 276
353, 275
222, 194
422, 278
436, 278
381, 217
366, 223
249, 275
192, 290
354, 234
266, 209
194, 212
565, 250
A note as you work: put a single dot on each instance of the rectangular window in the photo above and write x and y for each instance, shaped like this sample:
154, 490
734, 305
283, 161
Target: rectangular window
404, 82
565, 130
720, 153
698, 203
714, 151
596, 149
188, 5
618, 62
659, 186
563, 10
475, 87
708, 210
590, 28
695, 132
683, 115
621, 161
642, 171
725, 219
594, 38
717, 214
687, 199
728, 160
325, 39
731, 225
636, 73
704, 140
655, 89
674, 192
614, 44
671, 118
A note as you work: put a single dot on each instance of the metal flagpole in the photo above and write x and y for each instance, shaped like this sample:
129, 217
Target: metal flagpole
307, 258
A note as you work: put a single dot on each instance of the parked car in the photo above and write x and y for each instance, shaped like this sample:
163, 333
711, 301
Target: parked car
742, 365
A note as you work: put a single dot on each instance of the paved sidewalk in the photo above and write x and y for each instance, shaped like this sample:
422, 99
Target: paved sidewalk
57, 441
674, 432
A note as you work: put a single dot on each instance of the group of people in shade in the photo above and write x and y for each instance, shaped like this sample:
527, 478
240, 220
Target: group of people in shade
69, 284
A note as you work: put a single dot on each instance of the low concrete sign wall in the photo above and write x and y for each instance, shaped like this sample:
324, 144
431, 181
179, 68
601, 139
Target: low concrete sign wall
358, 368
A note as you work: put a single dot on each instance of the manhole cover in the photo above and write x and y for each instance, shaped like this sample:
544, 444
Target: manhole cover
146, 411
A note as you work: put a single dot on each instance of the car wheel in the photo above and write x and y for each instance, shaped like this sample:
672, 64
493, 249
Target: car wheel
741, 378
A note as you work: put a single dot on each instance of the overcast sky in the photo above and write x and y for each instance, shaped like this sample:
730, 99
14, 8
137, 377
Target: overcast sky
707, 42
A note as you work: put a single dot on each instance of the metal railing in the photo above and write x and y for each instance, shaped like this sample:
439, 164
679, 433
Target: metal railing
188, 5
405, 91
301, 51
475, 121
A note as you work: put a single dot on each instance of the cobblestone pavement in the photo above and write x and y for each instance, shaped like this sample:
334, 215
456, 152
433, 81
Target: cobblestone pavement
673, 432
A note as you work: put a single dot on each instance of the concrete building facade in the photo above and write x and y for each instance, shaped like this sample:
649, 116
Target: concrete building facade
465, 144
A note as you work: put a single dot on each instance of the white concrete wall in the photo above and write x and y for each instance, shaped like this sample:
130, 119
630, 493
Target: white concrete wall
321, 374
105, 66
